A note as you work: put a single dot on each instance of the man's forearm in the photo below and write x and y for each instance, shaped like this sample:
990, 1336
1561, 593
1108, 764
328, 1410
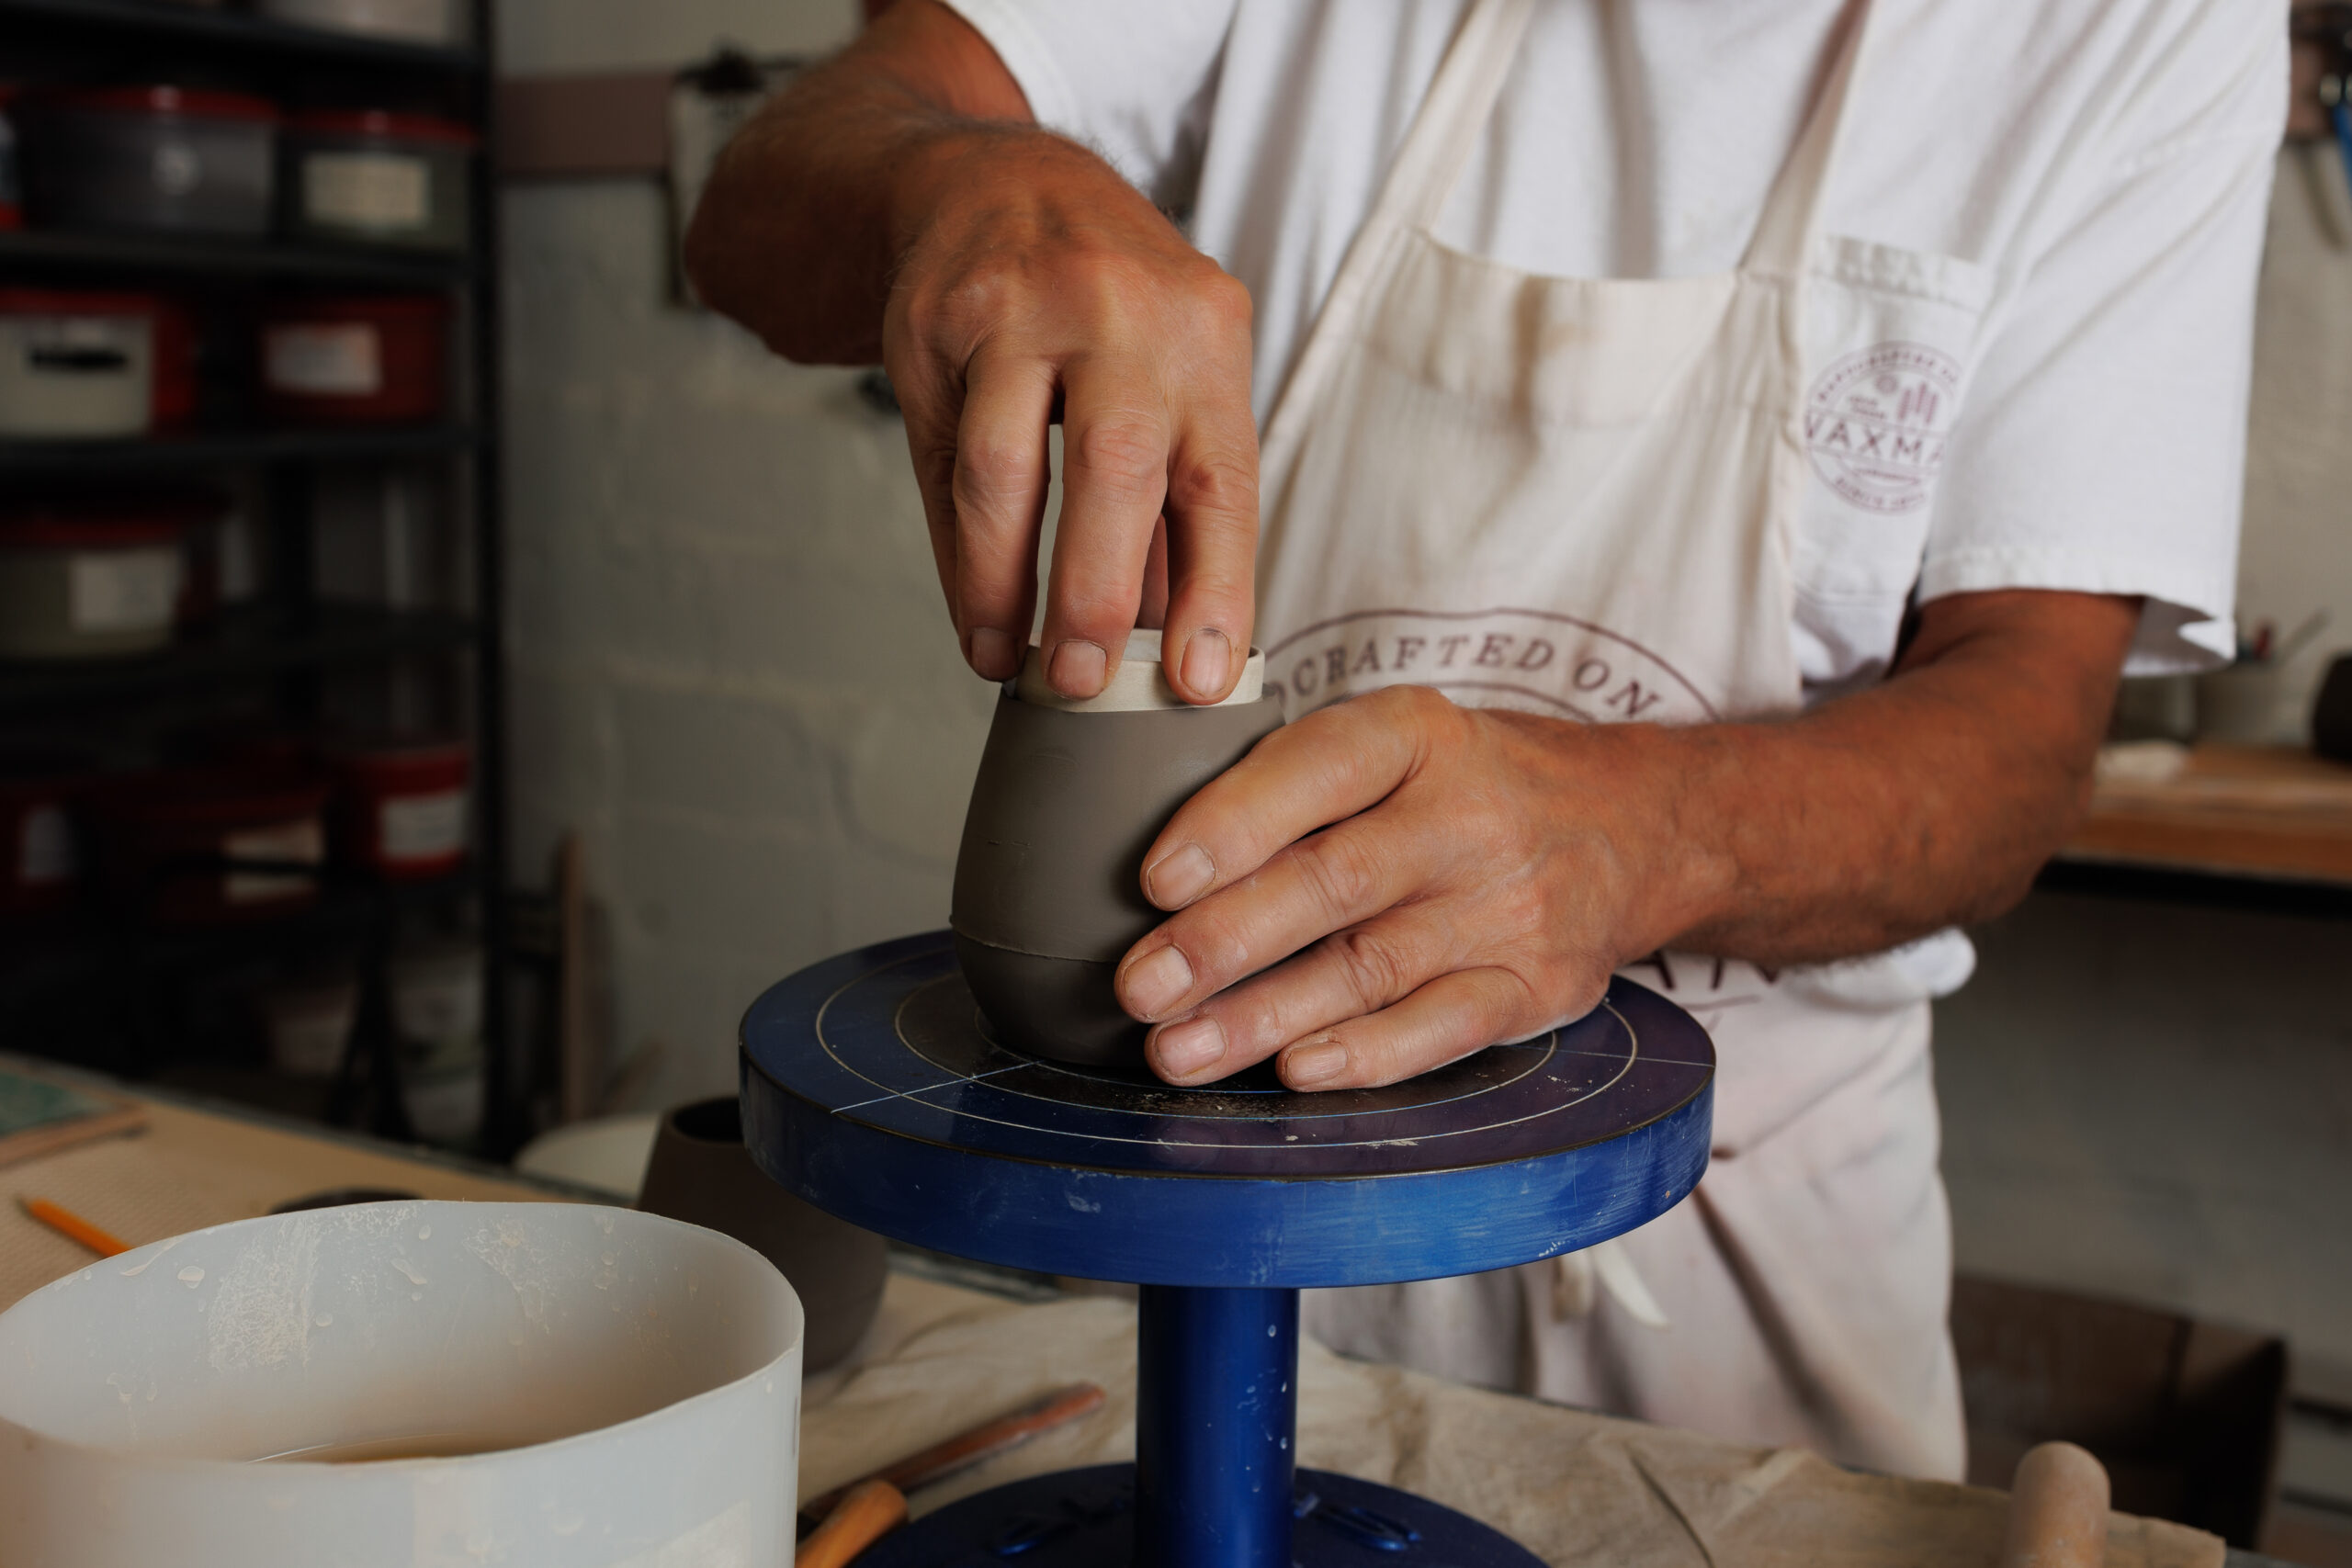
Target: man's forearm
1928, 801
809, 208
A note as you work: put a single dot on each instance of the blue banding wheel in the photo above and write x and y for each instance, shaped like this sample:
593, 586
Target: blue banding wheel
871, 1088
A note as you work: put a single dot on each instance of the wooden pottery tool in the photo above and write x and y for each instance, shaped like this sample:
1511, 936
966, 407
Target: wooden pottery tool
871, 1510
974, 1445
873, 1088
2057, 1510
74, 1227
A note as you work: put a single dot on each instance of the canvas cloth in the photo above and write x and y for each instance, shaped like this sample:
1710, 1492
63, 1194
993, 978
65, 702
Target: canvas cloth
1573, 1486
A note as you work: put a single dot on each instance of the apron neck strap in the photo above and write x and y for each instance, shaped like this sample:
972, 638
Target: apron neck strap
1452, 117
1784, 236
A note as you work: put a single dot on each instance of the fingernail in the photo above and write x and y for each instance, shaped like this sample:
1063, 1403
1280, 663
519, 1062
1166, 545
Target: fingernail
1205, 658
1306, 1066
1076, 670
1156, 982
1184, 1049
993, 655
1175, 879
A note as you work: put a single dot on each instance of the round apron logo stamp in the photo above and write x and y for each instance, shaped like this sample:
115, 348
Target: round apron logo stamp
1874, 423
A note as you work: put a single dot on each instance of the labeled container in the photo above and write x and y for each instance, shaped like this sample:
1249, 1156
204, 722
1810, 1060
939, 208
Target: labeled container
309, 1025
158, 157
418, 21
403, 806
374, 177
40, 861
92, 581
369, 360
436, 997
74, 366
209, 846
545, 1385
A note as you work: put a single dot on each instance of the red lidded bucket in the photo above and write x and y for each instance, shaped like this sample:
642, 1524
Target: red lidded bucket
379, 359
404, 807
202, 846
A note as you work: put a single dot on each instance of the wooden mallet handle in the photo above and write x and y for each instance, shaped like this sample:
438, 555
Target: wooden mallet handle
2057, 1510
871, 1510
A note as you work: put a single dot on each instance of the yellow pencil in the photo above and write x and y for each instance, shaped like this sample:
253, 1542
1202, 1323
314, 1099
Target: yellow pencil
67, 1223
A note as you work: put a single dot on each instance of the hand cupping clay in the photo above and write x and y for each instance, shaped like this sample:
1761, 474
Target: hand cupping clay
1049, 883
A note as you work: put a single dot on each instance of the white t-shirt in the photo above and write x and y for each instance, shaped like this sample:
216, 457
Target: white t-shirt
2100, 169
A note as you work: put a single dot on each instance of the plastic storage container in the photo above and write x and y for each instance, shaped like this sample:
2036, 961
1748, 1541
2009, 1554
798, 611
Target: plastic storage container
75, 366
309, 1025
40, 862
378, 359
147, 158
86, 581
379, 178
404, 813
545, 1385
204, 846
420, 21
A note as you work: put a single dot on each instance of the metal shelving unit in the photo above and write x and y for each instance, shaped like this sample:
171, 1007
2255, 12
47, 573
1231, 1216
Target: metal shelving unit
281, 648
153, 23
152, 255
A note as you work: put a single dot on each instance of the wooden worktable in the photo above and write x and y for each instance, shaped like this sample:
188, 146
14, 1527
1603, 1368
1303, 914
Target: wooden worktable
1575, 1486
2259, 811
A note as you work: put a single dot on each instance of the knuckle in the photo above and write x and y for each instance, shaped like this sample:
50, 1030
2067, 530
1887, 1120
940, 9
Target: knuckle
989, 474
1339, 874
1222, 300
1220, 486
1371, 966
1122, 452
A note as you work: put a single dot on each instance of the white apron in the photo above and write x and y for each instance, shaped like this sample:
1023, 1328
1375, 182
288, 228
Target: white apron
1576, 496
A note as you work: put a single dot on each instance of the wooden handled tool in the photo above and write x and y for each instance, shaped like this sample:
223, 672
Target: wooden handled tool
870, 1510
967, 1449
2057, 1510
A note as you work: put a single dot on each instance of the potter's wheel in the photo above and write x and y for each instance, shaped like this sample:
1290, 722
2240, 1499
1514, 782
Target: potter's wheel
871, 1088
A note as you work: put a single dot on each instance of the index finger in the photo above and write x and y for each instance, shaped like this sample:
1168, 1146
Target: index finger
1324, 769
1115, 479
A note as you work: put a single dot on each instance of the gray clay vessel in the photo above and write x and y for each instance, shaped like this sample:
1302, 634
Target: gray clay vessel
701, 1173
1049, 883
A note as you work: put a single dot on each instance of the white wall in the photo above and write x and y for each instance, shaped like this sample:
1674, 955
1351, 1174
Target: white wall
730, 670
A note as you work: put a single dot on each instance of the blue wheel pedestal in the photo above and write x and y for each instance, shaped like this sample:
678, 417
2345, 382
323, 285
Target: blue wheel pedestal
872, 1089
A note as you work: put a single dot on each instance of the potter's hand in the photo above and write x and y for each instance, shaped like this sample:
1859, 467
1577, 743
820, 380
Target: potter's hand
1425, 880
901, 201
1036, 280
1476, 887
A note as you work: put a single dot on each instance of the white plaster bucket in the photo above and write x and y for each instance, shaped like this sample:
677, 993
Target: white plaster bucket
619, 1391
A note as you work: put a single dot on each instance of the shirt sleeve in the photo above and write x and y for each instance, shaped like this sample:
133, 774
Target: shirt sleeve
2102, 448
1133, 79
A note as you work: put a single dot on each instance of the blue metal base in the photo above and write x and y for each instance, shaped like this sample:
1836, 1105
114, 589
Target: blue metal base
1087, 1518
